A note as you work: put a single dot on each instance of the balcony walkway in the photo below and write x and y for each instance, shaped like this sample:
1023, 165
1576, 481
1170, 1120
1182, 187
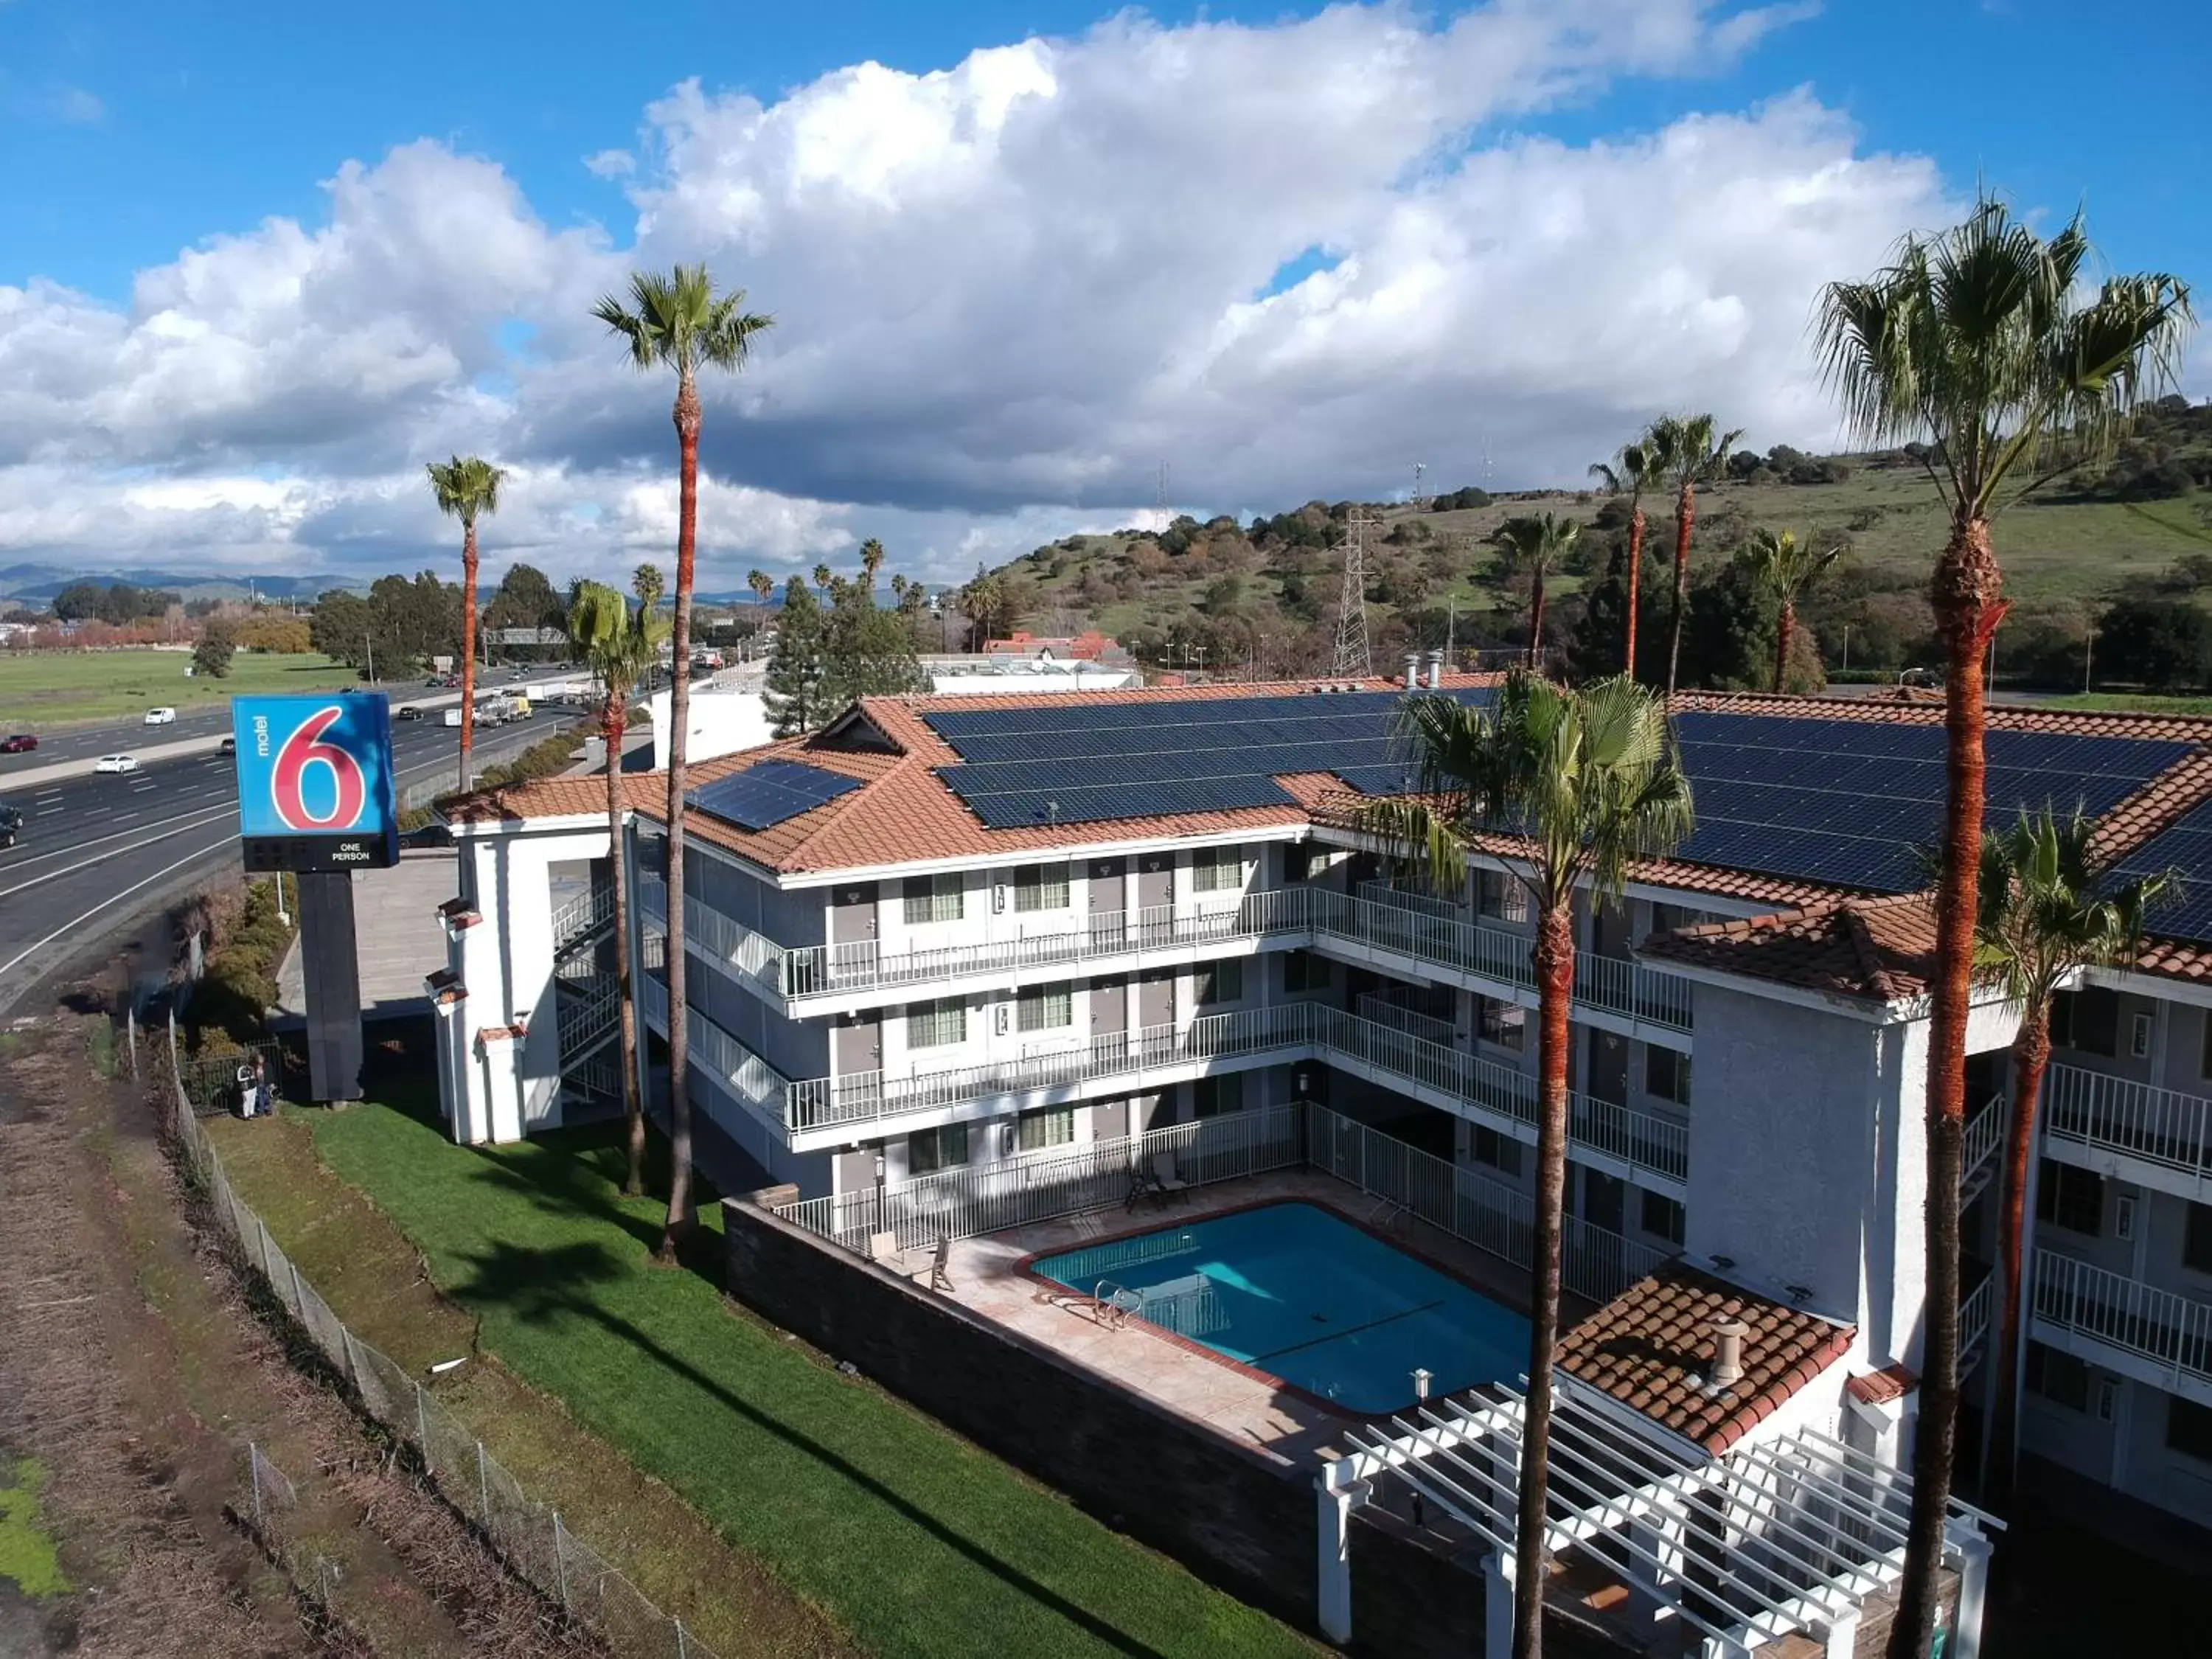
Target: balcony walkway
2156, 1137
2155, 1336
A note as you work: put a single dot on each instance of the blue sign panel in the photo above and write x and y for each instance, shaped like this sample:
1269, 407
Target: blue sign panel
314, 780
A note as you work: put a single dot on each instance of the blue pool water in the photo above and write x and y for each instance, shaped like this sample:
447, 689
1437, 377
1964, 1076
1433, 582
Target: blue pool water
1303, 1295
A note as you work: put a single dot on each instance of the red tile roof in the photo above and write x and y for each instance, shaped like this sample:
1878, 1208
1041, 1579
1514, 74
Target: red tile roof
1651, 1347
1879, 1388
1880, 950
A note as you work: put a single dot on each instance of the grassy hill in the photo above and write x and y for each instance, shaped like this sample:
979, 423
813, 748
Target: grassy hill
1267, 589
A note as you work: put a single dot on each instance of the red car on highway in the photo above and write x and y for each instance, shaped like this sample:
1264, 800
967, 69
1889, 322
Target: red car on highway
20, 743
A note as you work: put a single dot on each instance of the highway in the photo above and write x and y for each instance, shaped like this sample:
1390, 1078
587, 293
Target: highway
96, 852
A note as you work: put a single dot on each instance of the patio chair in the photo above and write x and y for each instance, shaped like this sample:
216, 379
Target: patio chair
1164, 1178
1142, 1185
939, 1278
884, 1250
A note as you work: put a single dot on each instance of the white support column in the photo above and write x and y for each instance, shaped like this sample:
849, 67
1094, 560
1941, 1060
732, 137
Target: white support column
1839, 1639
1970, 1550
1497, 1575
1336, 1502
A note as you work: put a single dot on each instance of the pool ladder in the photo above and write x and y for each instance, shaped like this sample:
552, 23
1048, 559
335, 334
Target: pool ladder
1113, 1310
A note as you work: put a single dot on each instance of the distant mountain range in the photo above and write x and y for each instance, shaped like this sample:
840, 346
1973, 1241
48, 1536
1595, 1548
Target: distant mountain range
37, 584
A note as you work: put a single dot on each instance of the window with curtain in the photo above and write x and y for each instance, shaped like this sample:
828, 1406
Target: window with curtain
1501, 896
1045, 1007
1049, 1126
936, 1025
1041, 887
932, 898
1666, 1073
1216, 869
1222, 982
1495, 1151
1662, 1215
945, 1147
2057, 1377
1304, 971
1506, 1024
1210, 1097
2070, 1198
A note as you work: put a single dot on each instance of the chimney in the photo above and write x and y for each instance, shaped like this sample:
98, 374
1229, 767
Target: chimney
1412, 670
1728, 1352
1437, 670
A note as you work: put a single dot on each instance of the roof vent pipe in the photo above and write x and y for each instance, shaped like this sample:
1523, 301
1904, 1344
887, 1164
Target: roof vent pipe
1412, 670
1728, 1352
1437, 670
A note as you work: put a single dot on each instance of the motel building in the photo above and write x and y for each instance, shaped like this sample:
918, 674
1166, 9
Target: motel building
1098, 1018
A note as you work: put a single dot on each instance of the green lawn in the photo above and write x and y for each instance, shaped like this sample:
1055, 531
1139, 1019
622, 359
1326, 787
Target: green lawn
40, 691
911, 1539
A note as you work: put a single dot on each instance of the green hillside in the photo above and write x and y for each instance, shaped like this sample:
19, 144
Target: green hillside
1265, 593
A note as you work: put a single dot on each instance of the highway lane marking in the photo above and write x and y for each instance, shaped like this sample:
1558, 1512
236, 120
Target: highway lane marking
197, 820
21, 956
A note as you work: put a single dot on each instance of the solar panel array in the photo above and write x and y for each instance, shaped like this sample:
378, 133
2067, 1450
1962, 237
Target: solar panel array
1848, 802
764, 795
2186, 847
1091, 762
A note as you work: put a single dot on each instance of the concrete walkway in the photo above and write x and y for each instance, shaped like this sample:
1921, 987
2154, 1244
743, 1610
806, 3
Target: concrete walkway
397, 933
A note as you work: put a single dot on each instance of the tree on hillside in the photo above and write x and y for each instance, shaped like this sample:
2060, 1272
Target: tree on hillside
1788, 568
1587, 782
620, 647
793, 684
1685, 451
218, 643
1982, 341
678, 322
80, 602
2049, 906
1626, 474
1534, 547
526, 598
2159, 645
466, 488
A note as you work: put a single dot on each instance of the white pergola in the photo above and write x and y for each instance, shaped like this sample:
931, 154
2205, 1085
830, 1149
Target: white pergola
1786, 1533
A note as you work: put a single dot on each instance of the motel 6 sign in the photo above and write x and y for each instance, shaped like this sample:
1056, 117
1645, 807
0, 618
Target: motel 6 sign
314, 782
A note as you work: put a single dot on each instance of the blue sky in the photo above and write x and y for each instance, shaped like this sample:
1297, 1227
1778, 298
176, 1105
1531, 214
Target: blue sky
1094, 260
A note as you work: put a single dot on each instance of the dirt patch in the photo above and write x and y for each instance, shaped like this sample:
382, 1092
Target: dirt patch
133, 1367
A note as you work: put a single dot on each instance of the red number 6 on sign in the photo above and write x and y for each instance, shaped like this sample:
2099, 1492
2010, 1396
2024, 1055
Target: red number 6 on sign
288, 782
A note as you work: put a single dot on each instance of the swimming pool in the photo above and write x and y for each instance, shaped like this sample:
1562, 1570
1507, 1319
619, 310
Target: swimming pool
1296, 1292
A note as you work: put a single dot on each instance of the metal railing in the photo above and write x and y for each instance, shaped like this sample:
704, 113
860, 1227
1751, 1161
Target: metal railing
584, 915
752, 1079
1429, 933
1006, 1193
2173, 1332
1974, 1319
1406, 898
827, 970
1594, 1263
2158, 1126
586, 1017
1010, 1192
1984, 1134
1411, 1021
527, 1536
1644, 1140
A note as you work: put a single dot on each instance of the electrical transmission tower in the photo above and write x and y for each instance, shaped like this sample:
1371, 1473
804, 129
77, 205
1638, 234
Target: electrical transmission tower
1420, 501
1160, 489
1353, 659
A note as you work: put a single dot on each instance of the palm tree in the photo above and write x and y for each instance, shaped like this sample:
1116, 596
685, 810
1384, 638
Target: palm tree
1537, 545
1687, 450
1588, 782
1626, 474
1787, 569
466, 486
679, 322
1979, 341
871, 557
620, 648
2048, 907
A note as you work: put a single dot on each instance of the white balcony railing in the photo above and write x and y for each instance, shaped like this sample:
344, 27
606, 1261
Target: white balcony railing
2175, 1332
987, 1197
744, 1073
1974, 1319
1645, 1140
592, 1009
1429, 1027
738, 950
583, 915
2157, 1125
1985, 1132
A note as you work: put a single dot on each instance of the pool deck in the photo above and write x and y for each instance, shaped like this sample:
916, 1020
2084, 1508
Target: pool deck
1257, 1413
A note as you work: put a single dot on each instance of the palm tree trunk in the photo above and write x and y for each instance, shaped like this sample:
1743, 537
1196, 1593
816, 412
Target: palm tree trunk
1965, 597
2030, 1053
468, 646
615, 723
1536, 625
1685, 519
1555, 979
1634, 577
681, 1218
1784, 627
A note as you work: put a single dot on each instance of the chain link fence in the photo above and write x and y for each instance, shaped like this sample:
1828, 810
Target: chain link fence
529, 1536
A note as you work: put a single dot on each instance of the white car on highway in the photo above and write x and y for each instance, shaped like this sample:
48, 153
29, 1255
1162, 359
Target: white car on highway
161, 717
116, 763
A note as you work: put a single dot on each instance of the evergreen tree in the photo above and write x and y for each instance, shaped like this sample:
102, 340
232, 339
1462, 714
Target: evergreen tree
794, 686
865, 651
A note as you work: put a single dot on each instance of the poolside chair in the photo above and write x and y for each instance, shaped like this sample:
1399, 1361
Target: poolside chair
1164, 1178
884, 1250
939, 1278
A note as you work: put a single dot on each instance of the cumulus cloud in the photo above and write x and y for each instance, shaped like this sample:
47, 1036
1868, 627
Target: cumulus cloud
1004, 293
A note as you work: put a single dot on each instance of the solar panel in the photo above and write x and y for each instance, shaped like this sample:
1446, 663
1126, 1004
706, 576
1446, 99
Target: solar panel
765, 794
1849, 803
2185, 848
1084, 762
